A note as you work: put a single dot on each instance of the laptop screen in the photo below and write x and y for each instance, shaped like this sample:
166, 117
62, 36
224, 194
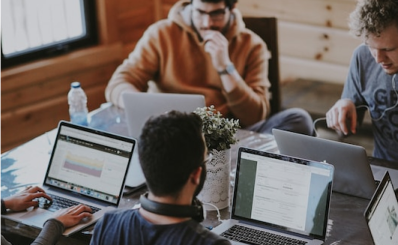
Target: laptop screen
89, 162
381, 214
156, 104
282, 192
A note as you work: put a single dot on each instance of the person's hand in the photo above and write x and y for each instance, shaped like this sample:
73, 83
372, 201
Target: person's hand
342, 117
72, 215
217, 46
25, 198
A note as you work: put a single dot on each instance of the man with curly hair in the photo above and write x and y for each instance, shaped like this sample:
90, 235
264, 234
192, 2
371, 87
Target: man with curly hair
372, 80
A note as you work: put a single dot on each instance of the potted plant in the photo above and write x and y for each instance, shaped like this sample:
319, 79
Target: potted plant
220, 134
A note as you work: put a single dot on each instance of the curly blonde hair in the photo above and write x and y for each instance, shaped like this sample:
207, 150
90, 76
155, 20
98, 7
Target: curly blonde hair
373, 16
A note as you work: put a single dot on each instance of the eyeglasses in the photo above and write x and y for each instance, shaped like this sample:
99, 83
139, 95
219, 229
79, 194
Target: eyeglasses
215, 15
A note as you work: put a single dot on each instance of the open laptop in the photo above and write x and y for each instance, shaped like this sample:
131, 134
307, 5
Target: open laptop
280, 195
86, 166
381, 213
353, 174
139, 107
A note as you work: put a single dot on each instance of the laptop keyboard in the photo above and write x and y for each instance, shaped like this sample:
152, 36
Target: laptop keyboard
61, 203
252, 236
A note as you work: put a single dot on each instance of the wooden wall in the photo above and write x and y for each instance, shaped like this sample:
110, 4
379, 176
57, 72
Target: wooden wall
313, 40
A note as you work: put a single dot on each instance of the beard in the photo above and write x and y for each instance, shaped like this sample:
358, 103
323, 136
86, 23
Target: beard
202, 180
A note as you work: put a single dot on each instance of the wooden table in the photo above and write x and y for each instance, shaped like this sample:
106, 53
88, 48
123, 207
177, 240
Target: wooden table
26, 165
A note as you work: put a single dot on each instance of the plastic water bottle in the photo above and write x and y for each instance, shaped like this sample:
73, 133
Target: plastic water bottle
77, 101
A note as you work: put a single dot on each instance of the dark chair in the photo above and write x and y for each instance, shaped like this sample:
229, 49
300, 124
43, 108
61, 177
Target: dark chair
266, 28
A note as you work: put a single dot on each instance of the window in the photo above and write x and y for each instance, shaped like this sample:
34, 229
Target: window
35, 29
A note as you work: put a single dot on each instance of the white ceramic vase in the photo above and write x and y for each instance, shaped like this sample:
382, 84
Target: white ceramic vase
216, 188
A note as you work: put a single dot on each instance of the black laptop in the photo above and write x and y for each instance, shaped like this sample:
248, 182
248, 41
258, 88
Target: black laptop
382, 213
278, 198
86, 166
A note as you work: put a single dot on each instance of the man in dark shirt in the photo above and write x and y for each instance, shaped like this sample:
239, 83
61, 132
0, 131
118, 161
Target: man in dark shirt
172, 154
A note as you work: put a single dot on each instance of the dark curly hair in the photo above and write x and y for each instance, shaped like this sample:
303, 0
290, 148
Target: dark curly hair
171, 146
228, 3
373, 16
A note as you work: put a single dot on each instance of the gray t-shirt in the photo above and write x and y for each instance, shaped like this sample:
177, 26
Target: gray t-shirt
368, 84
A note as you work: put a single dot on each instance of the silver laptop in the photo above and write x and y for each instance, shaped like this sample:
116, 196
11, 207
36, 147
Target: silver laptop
86, 166
139, 107
353, 174
381, 214
278, 196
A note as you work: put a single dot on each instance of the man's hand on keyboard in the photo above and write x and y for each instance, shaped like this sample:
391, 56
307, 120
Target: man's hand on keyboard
25, 199
73, 215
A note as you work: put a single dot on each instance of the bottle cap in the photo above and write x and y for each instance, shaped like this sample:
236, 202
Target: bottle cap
75, 85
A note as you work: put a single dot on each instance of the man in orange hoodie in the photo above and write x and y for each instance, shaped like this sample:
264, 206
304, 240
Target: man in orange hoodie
204, 48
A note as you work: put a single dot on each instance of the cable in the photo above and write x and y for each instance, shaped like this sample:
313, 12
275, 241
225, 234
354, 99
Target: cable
367, 108
387, 109
218, 211
315, 122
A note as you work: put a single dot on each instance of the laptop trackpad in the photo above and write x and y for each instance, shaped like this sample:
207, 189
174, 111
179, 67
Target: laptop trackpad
37, 217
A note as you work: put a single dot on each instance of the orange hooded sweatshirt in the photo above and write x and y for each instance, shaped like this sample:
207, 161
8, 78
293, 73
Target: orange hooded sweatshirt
171, 54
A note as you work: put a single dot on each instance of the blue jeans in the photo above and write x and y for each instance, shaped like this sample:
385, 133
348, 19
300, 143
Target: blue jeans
294, 119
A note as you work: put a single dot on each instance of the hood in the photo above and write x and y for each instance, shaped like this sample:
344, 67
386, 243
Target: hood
181, 14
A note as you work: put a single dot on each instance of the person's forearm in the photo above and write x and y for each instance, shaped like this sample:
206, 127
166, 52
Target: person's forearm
115, 89
50, 233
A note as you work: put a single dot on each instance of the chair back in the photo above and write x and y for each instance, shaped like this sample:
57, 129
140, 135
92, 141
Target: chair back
266, 28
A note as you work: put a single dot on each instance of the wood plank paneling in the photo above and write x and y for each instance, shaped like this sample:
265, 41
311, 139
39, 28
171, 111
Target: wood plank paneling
313, 36
56, 87
166, 6
34, 96
292, 68
108, 33
132, 24
31, 121
329, 13
316, 43
36, 72
23, 86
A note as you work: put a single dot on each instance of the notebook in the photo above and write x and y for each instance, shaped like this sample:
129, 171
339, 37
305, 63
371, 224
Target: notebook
353, 174
381, 214
280, 195
139, 107
86, 166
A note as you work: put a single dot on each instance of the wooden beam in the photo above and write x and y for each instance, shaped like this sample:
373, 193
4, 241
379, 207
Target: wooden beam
157, 9
107, 23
